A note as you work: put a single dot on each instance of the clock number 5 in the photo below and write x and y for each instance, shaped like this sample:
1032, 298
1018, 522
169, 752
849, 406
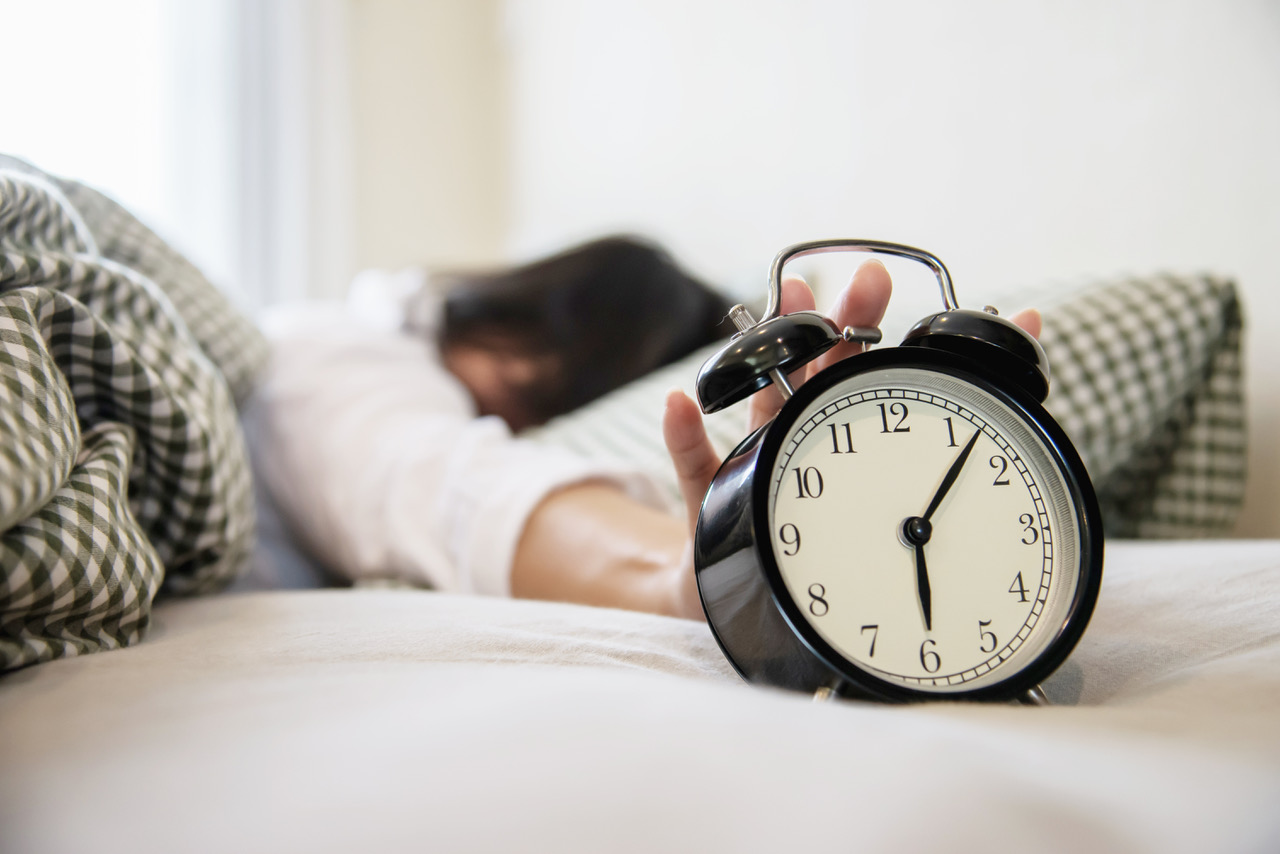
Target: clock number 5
984, 636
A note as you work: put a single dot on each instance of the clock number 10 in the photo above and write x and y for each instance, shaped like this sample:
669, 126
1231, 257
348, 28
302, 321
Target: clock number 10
808, 482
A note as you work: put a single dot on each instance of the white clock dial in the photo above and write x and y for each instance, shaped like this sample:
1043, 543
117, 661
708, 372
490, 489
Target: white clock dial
935, 595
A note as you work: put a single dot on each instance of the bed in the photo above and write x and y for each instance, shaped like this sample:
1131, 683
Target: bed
283, 715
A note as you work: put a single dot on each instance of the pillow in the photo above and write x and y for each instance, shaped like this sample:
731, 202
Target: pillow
1146, 380
122, 467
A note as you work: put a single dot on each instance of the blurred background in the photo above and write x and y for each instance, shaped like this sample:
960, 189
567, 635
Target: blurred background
1032, 145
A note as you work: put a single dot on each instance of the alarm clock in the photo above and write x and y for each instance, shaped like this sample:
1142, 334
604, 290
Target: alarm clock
912, 524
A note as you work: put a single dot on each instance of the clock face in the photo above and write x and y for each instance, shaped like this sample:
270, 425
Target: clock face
923, 529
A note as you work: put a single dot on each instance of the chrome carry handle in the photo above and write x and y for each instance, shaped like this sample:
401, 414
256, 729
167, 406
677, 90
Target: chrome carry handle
818, 247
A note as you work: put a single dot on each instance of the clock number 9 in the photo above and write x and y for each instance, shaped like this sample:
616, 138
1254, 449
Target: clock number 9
790, 535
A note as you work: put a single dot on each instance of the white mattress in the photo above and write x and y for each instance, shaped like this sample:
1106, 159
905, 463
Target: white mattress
350, 720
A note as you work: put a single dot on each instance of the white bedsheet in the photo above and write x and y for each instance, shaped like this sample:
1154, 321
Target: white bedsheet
407, 721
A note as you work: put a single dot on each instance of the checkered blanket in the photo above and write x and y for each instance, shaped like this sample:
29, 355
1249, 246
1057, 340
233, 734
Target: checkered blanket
122, 469
1146, 380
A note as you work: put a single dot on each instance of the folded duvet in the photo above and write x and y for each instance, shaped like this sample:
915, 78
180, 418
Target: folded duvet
122, 468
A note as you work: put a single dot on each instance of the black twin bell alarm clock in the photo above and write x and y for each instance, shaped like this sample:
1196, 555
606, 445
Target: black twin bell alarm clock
912, 524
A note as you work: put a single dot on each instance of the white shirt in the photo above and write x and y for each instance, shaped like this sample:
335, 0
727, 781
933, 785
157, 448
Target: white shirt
374, 453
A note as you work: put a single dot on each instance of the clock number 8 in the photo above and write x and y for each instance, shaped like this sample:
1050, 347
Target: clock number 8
818, 607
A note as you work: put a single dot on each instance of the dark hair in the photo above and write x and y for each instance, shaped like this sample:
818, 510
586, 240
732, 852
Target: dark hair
610, 311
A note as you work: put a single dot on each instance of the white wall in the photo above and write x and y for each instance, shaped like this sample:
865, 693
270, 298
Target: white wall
429, 132
1023, 142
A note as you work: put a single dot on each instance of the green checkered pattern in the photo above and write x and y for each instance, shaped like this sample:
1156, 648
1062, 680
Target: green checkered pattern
1147, 382
122, 468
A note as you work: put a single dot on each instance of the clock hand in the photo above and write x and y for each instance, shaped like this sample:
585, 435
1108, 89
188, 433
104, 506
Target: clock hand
916, 531
922, 588
952, 474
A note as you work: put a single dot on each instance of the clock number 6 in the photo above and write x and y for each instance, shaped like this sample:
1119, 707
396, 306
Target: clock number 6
930, 660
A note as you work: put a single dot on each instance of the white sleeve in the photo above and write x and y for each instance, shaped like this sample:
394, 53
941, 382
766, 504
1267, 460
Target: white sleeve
376, 458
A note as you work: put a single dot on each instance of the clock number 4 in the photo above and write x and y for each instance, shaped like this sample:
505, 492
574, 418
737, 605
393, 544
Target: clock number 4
1018, 588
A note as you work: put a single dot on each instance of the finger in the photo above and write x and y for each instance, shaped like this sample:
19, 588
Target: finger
796, 296
1030, 320
692, 454
862, 303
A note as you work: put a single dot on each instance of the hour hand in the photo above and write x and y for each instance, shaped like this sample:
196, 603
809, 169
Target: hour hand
922, 587
916, 531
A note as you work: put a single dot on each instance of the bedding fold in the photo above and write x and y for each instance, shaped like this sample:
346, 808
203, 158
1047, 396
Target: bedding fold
122, 467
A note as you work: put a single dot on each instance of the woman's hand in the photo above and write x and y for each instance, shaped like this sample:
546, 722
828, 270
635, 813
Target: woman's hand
861, 303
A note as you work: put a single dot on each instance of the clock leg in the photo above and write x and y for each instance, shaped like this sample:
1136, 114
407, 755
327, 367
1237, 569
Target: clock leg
1034, 696
824, 695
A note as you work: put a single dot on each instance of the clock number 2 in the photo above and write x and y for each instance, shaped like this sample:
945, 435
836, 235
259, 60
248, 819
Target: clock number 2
999, 462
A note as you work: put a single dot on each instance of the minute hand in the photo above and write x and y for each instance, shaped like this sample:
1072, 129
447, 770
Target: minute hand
952, 474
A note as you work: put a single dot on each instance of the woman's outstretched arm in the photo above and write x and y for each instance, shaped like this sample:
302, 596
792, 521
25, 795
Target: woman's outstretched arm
593, 544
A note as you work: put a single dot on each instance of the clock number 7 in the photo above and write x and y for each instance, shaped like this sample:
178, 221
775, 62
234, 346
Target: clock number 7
875, 632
